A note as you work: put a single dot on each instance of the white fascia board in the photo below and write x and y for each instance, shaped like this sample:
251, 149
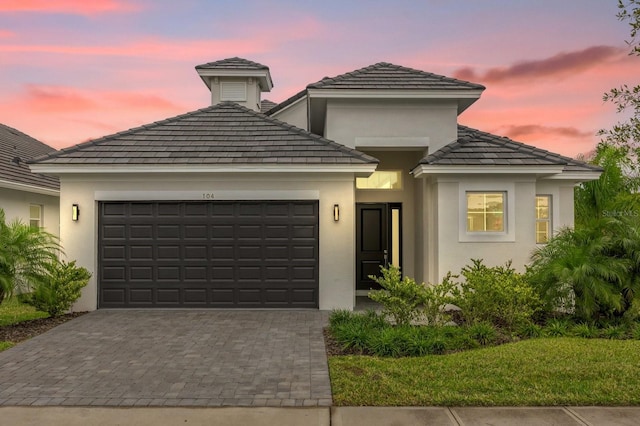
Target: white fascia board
423, 169
29, 188
394, 94
577, 176
61, 169
263, 75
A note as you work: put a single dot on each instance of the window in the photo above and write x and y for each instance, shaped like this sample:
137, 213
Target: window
387, 179
543, 218
485, 211
35, 216
233, 91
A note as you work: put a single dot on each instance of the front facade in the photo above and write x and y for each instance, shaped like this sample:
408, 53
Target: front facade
249, 204
25, 196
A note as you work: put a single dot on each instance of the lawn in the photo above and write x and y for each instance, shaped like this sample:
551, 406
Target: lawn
13, 311
546, 371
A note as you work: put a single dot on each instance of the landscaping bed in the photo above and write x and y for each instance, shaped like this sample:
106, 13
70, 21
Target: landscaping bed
27, 329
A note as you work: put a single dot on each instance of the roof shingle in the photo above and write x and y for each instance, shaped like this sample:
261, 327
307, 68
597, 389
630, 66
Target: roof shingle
384, 75
16, 148
233, 64
476, 148
223, 134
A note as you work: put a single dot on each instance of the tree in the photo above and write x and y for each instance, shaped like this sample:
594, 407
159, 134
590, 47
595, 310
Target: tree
625, 135
24, 253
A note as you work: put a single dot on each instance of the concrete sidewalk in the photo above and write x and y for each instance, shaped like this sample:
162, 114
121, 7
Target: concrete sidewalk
323, 416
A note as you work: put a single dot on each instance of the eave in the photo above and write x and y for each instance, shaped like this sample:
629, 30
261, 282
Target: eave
29, 188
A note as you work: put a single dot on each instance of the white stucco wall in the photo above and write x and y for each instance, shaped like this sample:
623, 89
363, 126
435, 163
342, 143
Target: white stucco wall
295, 114
16, 206
336, 251
450, 249
348, 120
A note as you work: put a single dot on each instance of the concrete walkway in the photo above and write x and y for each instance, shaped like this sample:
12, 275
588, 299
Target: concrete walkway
199, 358
323, 416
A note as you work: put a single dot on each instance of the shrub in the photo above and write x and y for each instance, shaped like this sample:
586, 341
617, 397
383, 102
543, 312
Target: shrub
635, 331
402, 298
614, 332
529, 330
24, 251
483, 333
498, 295
61, 288
557, 328
436, 298
584, 330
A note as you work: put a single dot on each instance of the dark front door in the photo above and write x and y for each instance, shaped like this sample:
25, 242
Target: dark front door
372, 237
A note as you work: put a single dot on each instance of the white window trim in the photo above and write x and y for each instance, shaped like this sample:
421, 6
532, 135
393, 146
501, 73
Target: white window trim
41, 216
509, 233
552, 213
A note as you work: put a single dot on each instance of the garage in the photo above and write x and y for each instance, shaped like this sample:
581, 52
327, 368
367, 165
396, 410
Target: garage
210, 254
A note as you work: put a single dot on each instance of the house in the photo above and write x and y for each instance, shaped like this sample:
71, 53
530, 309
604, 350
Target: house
296, 206
29, 197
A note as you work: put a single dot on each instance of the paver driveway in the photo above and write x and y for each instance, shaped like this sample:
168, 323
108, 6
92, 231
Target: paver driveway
202, 358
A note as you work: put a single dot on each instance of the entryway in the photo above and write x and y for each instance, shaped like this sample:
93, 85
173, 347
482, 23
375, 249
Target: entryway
378, 240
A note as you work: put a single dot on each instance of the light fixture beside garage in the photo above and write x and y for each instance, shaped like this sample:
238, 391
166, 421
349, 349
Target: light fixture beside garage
336, 212
75, 212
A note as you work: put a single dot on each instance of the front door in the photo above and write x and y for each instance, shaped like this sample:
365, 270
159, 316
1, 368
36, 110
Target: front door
378, 231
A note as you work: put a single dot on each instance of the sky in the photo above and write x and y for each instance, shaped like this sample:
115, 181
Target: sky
73, 70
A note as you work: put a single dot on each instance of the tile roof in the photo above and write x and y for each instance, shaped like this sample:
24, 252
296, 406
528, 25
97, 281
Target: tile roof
384, 75
287, 102
266, 105
223, 134
476, 148
233, 64
16, 148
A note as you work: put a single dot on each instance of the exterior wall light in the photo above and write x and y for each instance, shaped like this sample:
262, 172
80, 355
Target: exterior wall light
75, 212
336, 212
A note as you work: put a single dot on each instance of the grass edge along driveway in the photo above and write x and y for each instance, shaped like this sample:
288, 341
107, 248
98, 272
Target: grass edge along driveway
545, 371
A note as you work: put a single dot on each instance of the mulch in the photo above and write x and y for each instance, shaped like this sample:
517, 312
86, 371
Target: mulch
27, 329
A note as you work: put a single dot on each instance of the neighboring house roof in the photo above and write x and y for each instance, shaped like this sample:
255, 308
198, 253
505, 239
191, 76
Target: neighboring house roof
16, 148
266, 105
233, 64
223, 134
476, 148
282, 105
384, 75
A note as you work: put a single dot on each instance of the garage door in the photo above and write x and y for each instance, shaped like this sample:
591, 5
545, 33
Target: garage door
208, 254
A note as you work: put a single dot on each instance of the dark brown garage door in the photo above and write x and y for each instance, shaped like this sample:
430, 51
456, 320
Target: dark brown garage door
208, 254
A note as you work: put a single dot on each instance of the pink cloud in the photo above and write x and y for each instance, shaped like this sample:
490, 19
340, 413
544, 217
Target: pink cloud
559, 65
6, 34
537, 131
176, 49
76, 7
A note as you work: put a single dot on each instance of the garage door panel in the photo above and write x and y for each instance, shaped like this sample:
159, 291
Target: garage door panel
209, 254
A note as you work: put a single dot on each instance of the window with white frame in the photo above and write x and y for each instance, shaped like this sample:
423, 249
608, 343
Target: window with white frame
486, 211
381, 179
35, 216
543, 218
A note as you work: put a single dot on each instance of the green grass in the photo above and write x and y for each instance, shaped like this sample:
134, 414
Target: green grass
547, 371
12, 311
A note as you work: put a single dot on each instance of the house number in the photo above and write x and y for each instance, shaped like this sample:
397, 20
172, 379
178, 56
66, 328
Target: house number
207, 196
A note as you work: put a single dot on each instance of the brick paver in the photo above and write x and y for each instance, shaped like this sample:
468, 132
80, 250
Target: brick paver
172, 358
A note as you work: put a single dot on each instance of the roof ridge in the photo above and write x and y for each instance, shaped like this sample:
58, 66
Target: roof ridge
233, 60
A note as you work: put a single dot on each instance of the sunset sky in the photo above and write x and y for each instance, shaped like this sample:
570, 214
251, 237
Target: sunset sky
71, 70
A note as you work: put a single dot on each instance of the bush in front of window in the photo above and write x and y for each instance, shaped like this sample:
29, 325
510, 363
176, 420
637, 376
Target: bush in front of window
497, 295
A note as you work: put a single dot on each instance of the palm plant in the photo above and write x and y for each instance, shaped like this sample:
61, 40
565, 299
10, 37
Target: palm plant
24, 253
